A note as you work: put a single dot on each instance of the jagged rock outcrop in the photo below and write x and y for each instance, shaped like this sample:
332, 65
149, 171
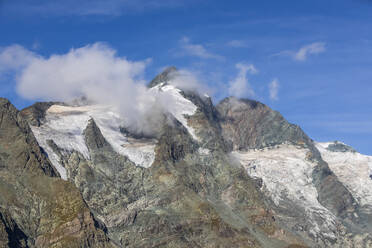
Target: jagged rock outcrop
10, 234
35, 114
38, 209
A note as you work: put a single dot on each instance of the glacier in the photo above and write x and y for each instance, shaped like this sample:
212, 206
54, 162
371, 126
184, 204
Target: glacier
65, 126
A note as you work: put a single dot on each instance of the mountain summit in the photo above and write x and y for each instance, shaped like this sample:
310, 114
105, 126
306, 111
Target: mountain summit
232, 175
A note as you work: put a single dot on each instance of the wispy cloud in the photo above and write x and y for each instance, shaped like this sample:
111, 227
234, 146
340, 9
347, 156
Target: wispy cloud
313, 48
240, 86
303, 53
237, 43
88, 7
274, 89
197, 50
14, 58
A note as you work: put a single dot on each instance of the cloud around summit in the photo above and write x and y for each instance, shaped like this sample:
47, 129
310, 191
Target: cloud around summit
274, 89
97, 72
240, 86
187, 48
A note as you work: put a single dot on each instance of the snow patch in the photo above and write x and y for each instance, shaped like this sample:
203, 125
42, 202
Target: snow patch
65, 126
204, 151
177, 105
287, 175
41, 138
353, 169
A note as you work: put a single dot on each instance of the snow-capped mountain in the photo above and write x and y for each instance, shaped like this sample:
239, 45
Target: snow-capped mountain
232, 175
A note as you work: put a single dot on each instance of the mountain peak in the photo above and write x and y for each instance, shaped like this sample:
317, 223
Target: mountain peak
239, 169
165, 76
250, 124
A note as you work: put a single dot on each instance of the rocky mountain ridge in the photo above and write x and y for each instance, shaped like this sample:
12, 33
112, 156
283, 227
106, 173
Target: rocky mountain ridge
232, 175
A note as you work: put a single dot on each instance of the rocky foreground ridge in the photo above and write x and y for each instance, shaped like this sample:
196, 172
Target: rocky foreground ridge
232, 175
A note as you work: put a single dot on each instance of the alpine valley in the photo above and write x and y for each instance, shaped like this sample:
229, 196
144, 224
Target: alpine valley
235, 174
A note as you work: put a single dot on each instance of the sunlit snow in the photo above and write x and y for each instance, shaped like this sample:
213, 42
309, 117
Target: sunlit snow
287, 175
178, 105
65, 126
353, 169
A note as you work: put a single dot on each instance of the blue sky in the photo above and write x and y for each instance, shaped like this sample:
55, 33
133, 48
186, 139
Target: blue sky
310, 60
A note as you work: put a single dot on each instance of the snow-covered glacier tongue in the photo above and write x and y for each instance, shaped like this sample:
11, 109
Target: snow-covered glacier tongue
177, 104
353, 169
286, 175
287, 179
65, 125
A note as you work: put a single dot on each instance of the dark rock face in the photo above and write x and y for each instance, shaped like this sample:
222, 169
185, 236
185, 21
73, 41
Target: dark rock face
175, 144
250, 124
37, 209
339, 147
19, 148
35, 114
163, 77
10, 234
206, 123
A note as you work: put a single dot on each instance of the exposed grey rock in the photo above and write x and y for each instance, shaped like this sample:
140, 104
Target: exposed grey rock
10, 234
340, 147
250, 124
35, 114
38, 209
163, 77
206, 123
16, 137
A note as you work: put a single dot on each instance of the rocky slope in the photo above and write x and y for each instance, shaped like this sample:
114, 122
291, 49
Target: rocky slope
37, 208
232, 175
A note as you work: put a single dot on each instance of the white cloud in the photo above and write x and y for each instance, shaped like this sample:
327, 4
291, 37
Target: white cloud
96, 72
15, 57
197, 50
84, 71
303, 53
237, 43
240, 86
313, 48
189, 81
274, 89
